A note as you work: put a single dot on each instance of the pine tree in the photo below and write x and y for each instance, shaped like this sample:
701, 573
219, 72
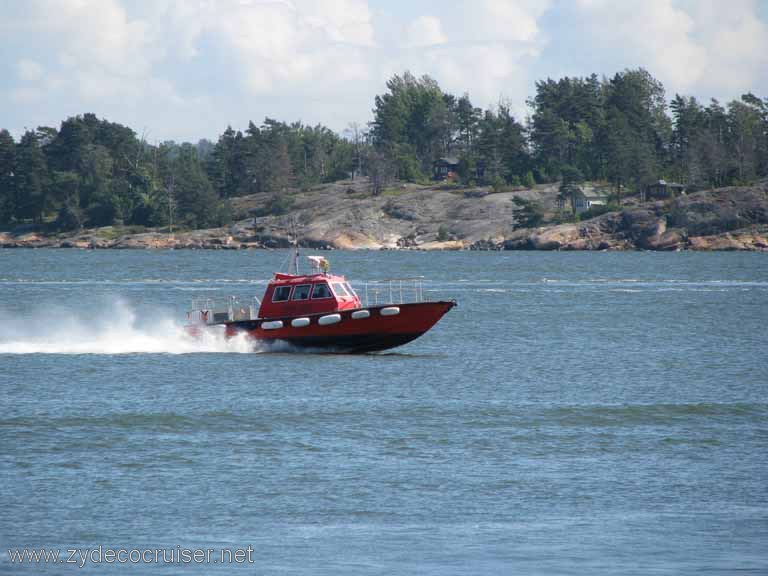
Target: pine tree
7, 176
31, 179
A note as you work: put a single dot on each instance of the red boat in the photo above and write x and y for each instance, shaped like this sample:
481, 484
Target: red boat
322, 311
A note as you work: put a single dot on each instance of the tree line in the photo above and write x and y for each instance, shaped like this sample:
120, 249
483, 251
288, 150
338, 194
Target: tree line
97, 173
94, 172
617, 129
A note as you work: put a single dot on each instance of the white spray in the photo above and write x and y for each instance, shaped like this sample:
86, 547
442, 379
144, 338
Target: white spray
115, 329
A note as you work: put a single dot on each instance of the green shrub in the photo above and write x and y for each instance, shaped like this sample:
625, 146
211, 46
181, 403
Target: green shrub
564, 217
530, 213
70, 217
598, 210
529, 181
498, 184
408, 167
277, 205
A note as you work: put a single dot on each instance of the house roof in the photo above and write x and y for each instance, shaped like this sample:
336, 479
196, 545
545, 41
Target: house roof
668, 184
595, 196
590, 193
447, 160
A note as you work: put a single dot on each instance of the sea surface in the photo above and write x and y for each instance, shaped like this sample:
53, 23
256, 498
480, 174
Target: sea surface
578, 413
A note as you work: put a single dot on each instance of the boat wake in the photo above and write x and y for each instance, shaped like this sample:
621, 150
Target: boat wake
116, 329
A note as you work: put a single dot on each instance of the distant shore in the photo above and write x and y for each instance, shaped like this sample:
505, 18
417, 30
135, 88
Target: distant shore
412, 217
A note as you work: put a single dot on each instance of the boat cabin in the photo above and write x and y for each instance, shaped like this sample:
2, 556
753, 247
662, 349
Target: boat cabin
292, 295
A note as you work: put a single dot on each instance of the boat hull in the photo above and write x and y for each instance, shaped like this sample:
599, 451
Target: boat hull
386, 327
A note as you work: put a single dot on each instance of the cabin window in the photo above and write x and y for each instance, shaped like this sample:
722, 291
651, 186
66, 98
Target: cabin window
281, 294
339, 289
301, 292
321, 290
350, 289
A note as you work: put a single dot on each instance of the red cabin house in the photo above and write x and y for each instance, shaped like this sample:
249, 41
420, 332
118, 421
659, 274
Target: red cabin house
289, 295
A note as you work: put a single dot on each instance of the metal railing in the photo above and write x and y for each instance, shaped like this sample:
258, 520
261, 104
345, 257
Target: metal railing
218, 310
393, 291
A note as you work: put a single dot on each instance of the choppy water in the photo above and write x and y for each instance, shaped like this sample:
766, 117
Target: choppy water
577, 414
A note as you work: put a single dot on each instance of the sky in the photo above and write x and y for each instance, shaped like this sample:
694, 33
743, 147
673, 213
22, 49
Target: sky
186, 69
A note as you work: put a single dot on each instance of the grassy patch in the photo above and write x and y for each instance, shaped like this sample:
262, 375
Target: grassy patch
114, 232
358, 195
394, 191
107, 233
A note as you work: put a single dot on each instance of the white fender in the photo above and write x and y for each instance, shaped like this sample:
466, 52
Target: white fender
360, 314
300, 322
273, 325
390, 311
329, 319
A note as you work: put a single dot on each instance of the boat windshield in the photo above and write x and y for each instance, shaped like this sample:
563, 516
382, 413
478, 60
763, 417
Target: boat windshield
339, 289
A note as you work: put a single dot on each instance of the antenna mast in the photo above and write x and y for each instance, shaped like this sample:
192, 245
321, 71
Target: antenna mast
295, 256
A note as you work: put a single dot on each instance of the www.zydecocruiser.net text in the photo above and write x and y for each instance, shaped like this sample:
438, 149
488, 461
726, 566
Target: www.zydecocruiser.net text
81, 557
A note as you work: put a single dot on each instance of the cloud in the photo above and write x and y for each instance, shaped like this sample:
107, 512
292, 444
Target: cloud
736, 44
282, 45
343, 21
491, 44
34, 82
425, 31
654, 32
76, 56
29, 70
506, 20
689, 46
187, 68
185, 65
91, 46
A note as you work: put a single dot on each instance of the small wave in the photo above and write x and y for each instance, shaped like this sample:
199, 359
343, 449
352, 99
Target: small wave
222, 421
651, 414
607, 417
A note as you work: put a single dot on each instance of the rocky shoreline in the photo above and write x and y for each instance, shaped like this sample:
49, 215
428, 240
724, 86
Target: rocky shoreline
423, 218
724, 219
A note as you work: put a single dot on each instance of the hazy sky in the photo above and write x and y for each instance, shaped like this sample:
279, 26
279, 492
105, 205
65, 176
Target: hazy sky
185, 69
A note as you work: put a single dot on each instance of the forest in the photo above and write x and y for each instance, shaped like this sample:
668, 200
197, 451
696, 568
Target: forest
622, 129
